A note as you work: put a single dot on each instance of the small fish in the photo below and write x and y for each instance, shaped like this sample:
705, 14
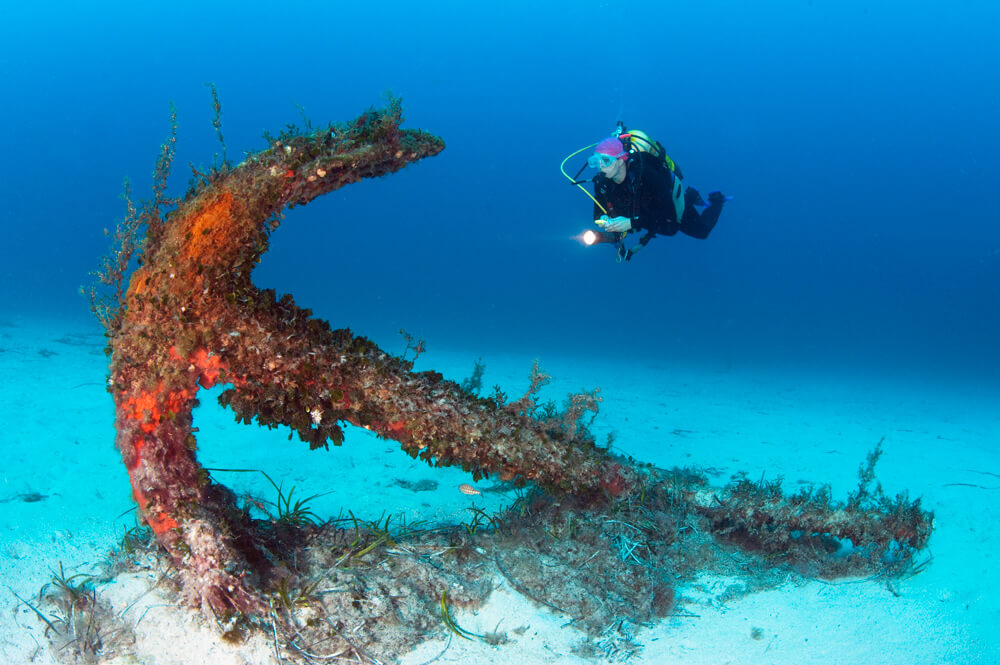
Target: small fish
466, 488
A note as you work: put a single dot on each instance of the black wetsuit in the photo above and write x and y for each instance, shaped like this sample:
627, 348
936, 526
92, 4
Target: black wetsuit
645, 198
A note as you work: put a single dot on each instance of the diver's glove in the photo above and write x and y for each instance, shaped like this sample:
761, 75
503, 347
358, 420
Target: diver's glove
615, 224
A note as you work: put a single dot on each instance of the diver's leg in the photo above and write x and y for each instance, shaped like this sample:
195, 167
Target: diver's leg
699, 225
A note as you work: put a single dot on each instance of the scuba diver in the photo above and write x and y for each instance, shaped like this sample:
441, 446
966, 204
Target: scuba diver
639, 188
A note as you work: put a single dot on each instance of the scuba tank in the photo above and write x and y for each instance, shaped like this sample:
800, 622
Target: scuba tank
636, 140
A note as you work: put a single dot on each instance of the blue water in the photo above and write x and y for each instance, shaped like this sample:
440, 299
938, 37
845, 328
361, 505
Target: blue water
858, 138
861, 249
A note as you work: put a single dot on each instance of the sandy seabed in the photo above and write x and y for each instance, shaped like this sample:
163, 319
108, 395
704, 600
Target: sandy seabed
65, 499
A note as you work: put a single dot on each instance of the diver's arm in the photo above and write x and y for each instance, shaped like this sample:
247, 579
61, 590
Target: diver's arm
598, 213
599, 198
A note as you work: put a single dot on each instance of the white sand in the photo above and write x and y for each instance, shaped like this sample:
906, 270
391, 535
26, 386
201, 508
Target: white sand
57, 441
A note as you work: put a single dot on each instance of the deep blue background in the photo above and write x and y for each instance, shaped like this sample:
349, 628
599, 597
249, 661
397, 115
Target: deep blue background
859, 139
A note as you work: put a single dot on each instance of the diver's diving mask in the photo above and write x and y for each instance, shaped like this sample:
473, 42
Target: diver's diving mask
601, 160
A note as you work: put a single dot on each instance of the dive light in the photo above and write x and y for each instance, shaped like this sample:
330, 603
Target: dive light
591, 237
